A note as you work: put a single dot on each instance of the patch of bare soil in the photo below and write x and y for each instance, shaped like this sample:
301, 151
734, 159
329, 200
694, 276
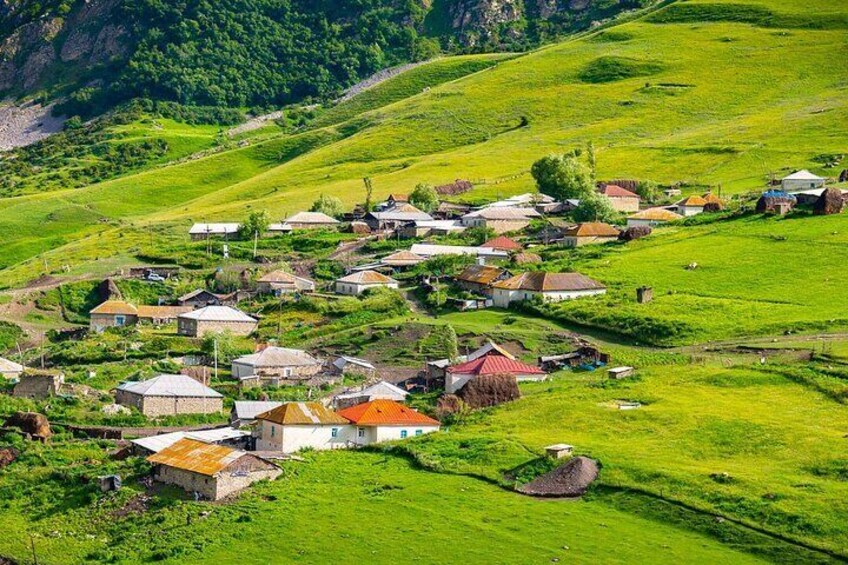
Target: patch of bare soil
569, 480
136, 505
22, 125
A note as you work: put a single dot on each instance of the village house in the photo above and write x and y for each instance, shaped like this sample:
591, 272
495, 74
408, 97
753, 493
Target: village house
427, 251
395, 217
384, 420
168, 395
346, 365
359, 282
428, 228
551, 287
280, 282
691, 205
392, 201
38, 384
293, 426
401, 260
112, 314
206, 231
436, 370
212, 471
501, 219
526, 200
309, 221
244, 412
811, 196
161, 315
215, 319
589, 233
801, 180
10, 370
202, 297
450, 211
622, 199
379, 391
227, 436
652, 217
503, 243
275, 366
457, 375
479, 279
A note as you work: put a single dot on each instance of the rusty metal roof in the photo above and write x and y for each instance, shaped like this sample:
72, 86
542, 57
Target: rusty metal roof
367, 277
480, 274
115, 307
549, 282
197, 457
591, 229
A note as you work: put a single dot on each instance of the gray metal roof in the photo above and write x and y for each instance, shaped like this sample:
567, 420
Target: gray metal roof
170, 385
273, 356
217, 314
250, 409
160, 442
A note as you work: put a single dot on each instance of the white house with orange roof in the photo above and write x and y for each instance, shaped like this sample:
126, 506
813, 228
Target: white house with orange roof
386, 420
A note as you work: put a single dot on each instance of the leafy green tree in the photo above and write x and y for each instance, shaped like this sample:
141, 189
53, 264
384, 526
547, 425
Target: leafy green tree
648, 190
255, 225
329, 205
446, 342
478, 235
424, 197
590, 157
595, 207
369, 191
563, 177
228, 347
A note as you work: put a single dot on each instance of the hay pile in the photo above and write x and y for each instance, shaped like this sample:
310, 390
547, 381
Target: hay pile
360, 228
459, 186
8, 456
30, 423
634, 233
771, 201
568, 480
713, 207
525, 258
830, 202
489, 390
843, 176
448, 405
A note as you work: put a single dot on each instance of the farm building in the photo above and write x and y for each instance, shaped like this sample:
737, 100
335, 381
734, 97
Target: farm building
503, 243
776, 202
279, 282
480, 278
211, 471
9, 369
652, 217
691, 205
456, 376
277, 228
167, 395
395, 217
427, 228
485, 253
450, 211
112, 314
354, 366
385, 420
589, 232
201, 297
274, 366
310, 220
810, 197
38, 384
379, 391
236, 439
206, 231
244, 412
436, 370
501, 219
212, 319
801, 180
159, 315
401, 259
551, 287
293, 426
622, 199
393, 201
357, 283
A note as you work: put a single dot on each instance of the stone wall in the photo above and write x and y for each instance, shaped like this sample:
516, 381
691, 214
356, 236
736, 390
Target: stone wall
195, 328
153, 406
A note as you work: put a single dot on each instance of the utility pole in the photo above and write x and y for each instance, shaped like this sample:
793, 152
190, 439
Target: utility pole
216, 359
255, 241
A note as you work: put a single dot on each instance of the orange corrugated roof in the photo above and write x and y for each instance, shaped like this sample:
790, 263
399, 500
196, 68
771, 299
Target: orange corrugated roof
399, 197
503, 243
196, 456
367, 277
302, 413
712, 198
591, 229
115, 307
385, 413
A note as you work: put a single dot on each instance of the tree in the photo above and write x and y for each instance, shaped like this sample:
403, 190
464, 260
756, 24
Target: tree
228, 347
648, 190
594, 207
369, 190
445, 342
563, 177
425, 198
255, 225
329, 205
590, 157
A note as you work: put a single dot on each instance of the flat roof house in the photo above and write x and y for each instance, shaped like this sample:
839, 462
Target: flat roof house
427, 250
167, 395
395, 217
280, 282
237, 439
202, 297
357, 283
346, 364
275, 366
801, 180
310, 220
385, 420
38, 384
652, 217
159, 315
622, 199
205, 231
588, 233
112, 314
212, 319
293, 426
457, 375
552, 287
212, 471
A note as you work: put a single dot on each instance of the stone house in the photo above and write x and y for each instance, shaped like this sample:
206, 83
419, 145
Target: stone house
275, 366
212, 471
212, 319
168, 395
357, 283
160, 315
202, 297
293, 426
385, 420
551, 287
622, 199
279, 282
589, 232
38, 384
345, 364
501, 219
112, 314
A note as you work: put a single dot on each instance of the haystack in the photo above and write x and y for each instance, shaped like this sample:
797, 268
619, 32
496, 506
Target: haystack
489, 390
713, 207
830, 202
525, 258
634, 233
31, 423
775, 201
569, 480
8, 456
360, 228
448, 405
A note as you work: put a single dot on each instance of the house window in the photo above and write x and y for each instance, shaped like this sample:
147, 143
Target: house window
287, 372
419, 432
403, 434
120, 320
334, 432
360, 432
273, 431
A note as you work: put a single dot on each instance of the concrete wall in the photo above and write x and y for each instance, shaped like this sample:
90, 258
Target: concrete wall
195, 328
357, 289
100, 322
790, 185
627, 204
154, 406
503, 297
292, 438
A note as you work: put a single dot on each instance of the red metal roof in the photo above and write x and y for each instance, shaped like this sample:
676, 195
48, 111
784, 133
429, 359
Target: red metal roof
493, 365
615, 191
503, 243
385, 413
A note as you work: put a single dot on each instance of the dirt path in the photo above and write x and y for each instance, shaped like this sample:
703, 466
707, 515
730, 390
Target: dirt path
350, 247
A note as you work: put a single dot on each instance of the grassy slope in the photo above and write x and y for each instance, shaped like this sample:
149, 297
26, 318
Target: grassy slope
730, 124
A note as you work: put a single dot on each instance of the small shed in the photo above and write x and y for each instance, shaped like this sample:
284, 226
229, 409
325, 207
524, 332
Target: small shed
559, 450
620, 372
215, 319
38, 385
